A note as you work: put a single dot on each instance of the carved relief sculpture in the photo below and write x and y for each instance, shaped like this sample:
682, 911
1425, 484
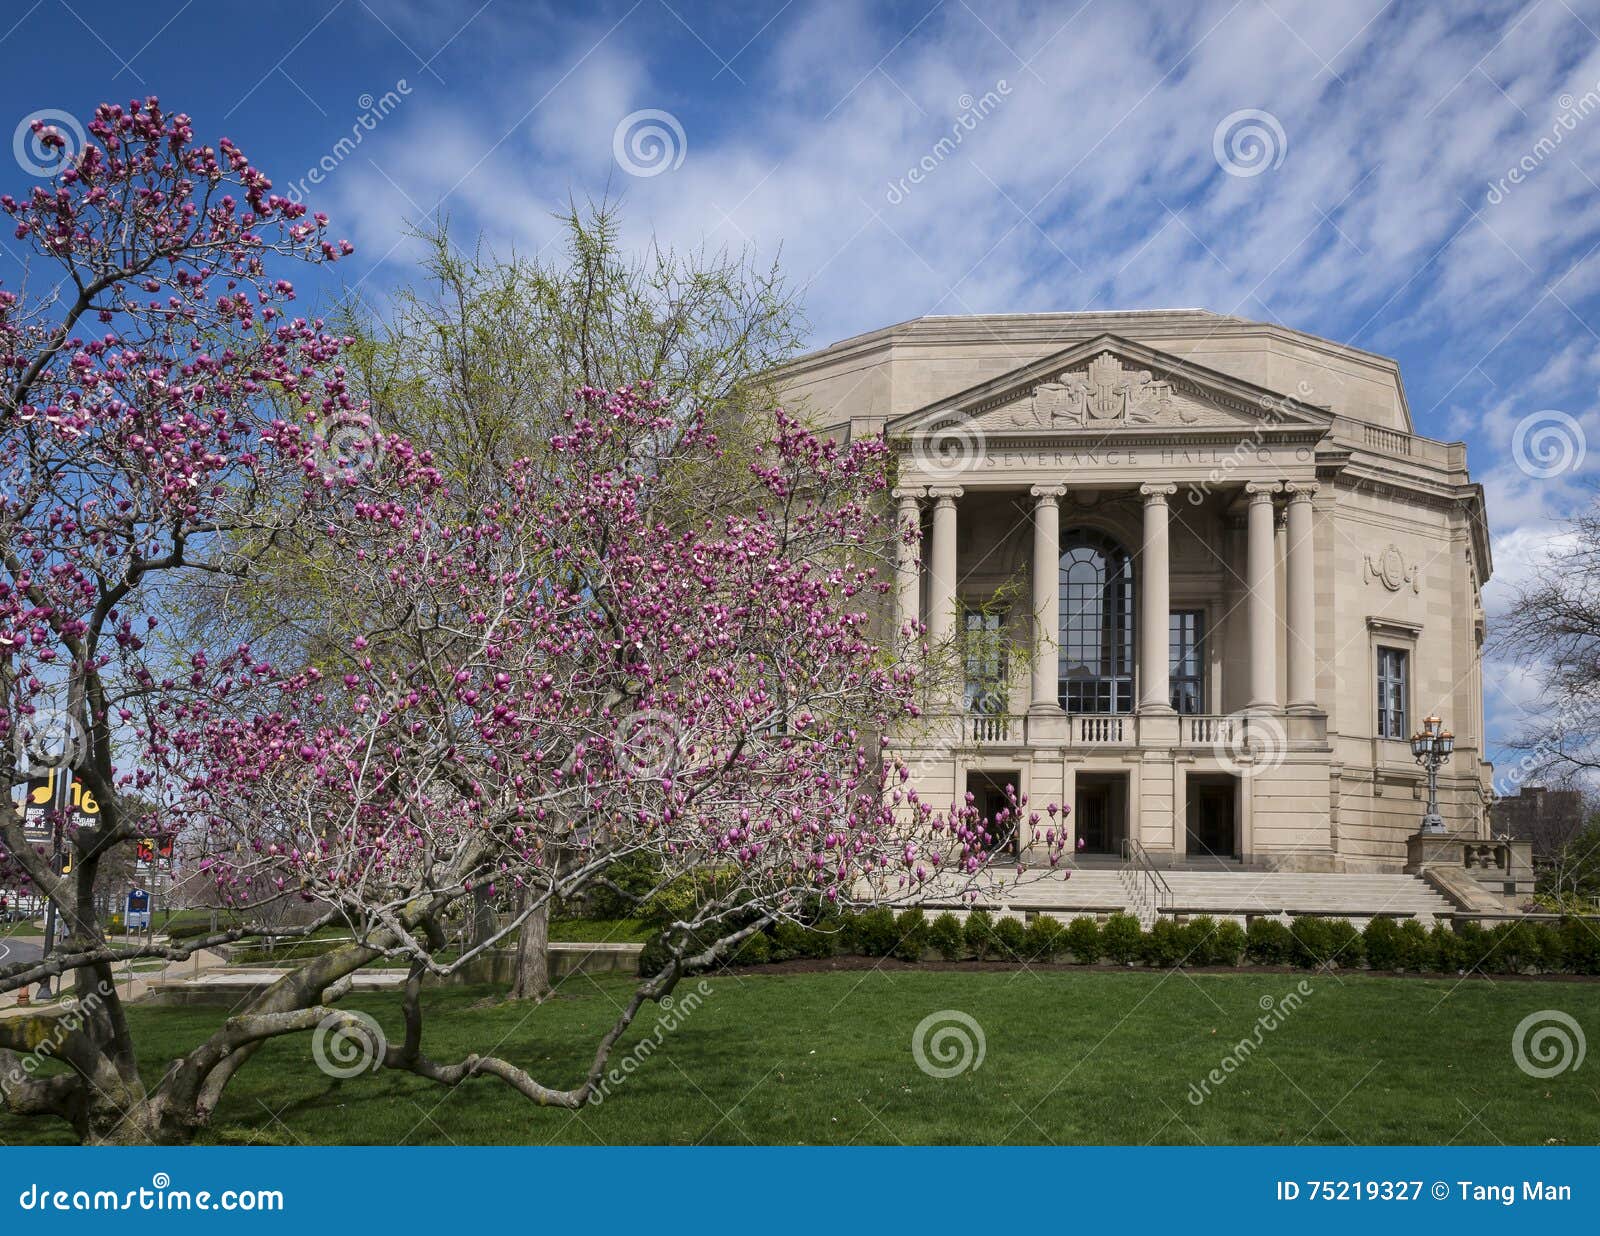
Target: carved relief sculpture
1389, 569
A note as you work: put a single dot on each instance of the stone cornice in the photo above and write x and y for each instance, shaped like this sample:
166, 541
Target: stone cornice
1089, 439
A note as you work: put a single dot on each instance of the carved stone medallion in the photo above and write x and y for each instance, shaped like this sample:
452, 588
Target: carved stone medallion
1389, 569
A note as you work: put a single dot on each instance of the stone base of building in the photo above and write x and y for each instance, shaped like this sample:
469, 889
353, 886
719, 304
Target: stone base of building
1260, 791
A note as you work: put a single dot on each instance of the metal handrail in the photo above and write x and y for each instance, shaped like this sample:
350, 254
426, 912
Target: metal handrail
1134, 855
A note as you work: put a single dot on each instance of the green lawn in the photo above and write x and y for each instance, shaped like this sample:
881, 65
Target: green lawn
1071, 1057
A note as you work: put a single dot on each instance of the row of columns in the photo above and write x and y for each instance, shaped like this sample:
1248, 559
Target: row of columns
1155, 595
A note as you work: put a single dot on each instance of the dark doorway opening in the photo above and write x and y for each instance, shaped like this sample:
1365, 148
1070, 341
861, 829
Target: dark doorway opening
1212, 812
1101, 812
989, 796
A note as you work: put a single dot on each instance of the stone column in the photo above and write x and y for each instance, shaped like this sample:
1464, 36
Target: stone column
1301, 637
908, 555
1046, 597
1261, 580
1155, 593
942, 564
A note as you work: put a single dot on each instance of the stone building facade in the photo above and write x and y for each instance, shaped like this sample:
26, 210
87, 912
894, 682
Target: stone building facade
1197, 576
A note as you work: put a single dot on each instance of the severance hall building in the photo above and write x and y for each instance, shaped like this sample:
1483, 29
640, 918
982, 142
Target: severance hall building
1201, 578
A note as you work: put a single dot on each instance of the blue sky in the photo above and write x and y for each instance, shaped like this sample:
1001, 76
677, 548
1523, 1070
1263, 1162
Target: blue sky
1379, 212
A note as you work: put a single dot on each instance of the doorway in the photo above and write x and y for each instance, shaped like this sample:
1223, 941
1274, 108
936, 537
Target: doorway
1100, 809
988, 790
1212, 813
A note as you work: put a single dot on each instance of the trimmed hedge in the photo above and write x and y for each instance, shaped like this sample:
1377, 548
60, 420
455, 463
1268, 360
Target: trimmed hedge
1310, 942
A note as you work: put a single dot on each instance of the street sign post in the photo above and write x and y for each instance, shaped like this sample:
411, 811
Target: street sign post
138, 915
47, 804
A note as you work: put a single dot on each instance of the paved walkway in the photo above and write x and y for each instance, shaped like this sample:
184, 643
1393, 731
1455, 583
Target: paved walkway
132, 984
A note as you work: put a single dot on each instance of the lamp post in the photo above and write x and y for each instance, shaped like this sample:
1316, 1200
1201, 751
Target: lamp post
1431, 747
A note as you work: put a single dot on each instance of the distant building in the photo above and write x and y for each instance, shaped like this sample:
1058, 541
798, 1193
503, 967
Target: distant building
1548, 818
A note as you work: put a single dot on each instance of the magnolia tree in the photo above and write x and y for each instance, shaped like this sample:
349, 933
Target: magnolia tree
158, 414
519, 700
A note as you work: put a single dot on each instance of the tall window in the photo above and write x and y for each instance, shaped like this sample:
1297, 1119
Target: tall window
1392, 672
986, 661
1186, 632
1096, 664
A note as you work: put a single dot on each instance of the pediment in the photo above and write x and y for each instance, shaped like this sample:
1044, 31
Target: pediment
1110, 383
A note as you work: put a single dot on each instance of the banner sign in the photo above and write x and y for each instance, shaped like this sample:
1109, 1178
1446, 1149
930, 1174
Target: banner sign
59, 790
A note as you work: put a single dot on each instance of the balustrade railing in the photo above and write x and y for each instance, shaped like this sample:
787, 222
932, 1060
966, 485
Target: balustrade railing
996, 727
1391, 440
1098, 730
1104, 730
1206, 731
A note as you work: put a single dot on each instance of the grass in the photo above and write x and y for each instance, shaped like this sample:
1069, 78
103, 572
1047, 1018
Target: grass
1072, 1057
600, 930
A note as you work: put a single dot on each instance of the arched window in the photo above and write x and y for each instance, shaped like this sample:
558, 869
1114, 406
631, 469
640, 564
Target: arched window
1096, 659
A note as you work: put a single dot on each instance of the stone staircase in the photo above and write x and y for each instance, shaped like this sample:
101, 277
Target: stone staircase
1222, 894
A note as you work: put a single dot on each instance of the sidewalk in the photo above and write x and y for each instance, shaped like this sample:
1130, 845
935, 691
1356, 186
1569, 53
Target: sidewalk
131, 984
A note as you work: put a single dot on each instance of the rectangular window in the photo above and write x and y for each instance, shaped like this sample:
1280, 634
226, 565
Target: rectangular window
1187, 660
1392, 691
986, 661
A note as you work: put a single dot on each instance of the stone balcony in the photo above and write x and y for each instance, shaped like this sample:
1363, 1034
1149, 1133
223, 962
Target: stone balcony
1235, 733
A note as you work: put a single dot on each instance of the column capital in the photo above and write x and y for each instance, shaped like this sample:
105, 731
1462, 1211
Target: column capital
1048, 493
945, 495
1157, 492
908, 494
1300, 491
1261, 491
